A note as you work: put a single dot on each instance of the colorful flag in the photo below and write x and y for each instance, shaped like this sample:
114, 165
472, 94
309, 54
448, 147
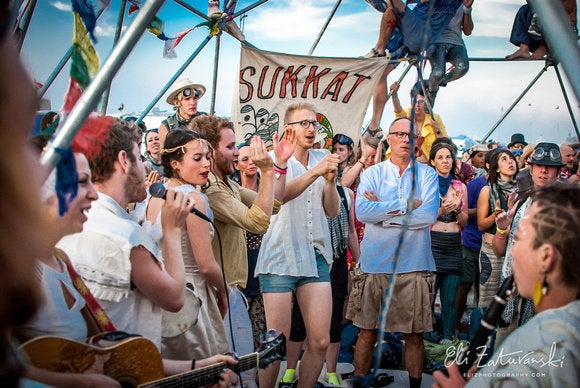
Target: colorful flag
83, 51
156, 26
172, 43
87, 13
134, 7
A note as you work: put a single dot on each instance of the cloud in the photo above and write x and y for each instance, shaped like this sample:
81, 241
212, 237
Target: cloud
105, 29
494, 18
62, 6
300, 20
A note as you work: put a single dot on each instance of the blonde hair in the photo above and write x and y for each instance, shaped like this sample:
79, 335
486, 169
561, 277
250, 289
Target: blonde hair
295, 107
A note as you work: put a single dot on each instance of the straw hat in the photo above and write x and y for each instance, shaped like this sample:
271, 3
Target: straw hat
182, 84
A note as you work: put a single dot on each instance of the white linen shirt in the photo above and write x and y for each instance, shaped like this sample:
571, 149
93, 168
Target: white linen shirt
383, 230
101, 255
299, 228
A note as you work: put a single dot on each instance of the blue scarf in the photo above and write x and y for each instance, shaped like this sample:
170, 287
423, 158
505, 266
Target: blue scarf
444, 184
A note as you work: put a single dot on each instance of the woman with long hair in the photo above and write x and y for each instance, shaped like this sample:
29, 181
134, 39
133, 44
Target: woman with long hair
493, 200
446, 233
186, 163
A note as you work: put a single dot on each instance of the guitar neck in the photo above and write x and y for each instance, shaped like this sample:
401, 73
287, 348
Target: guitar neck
206, 375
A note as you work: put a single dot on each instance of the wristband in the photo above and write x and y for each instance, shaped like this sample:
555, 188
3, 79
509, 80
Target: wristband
193, 364
279, 168
361, 163
466, 10
280, 171
500, 230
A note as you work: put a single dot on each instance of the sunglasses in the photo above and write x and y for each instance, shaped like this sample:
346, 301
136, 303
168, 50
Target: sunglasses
187, 92
553, 154
518, 152
342, 139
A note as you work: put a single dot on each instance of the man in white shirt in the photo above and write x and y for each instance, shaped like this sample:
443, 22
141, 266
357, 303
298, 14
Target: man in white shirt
383, 204
296, 251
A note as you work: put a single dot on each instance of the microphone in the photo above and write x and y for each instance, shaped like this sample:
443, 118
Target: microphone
157, 190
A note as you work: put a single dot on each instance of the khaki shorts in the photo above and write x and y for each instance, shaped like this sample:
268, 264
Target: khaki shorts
410, 306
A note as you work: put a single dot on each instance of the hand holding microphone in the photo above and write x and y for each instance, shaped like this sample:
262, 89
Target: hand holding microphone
157, 190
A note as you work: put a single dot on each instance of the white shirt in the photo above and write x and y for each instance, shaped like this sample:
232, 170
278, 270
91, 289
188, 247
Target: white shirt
383, 230
101, 255
298, 229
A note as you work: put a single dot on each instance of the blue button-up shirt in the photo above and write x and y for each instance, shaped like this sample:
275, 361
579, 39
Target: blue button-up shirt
383, 230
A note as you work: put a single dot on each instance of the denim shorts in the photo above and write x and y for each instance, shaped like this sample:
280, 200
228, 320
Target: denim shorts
284, 283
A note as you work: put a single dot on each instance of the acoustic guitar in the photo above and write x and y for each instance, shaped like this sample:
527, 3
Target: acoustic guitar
135, 361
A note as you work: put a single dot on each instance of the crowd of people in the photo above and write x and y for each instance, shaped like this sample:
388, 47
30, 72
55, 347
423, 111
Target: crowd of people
296, 238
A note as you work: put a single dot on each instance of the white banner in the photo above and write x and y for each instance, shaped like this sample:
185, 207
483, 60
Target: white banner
339, 88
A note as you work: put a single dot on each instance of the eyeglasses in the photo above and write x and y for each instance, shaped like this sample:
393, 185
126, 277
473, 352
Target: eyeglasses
401, 135
190, 91
553, 154
342, 139
305, 124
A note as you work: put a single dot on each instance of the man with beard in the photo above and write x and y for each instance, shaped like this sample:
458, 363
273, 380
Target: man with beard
545, 165
237, 210
120, 263
184, 97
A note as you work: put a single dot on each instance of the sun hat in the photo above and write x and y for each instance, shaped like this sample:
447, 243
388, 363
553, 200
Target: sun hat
182, 84
517, 138
547, 154
478, 148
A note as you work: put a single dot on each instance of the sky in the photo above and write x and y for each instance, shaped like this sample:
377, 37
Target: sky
470, 106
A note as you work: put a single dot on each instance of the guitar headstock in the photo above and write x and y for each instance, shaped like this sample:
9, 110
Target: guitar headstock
272, 348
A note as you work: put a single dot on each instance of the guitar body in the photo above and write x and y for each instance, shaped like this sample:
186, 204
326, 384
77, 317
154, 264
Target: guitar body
135, 361
131, 362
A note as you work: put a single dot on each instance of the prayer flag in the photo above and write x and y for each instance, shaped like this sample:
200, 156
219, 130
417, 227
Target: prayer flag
171, 44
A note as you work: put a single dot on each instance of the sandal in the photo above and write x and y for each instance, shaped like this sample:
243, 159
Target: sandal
382, 380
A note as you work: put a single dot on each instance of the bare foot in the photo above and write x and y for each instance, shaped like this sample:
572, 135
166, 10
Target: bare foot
540, 52
521, 53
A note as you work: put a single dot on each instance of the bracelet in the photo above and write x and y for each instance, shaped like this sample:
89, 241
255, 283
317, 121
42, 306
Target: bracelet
500, 230
280, 171
466, 9
279, 168
193, 364
361, 163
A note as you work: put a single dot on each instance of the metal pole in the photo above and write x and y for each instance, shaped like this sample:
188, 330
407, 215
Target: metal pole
172, 79
26, 23
192, 9
60, 66
90, 98
515, 103
248, 8
567, 101
324, 27
216, 61
560, 38
390, 92
115, 40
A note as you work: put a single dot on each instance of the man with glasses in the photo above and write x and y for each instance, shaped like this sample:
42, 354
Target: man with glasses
545, 165
389, 206
184, 97
296, 251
